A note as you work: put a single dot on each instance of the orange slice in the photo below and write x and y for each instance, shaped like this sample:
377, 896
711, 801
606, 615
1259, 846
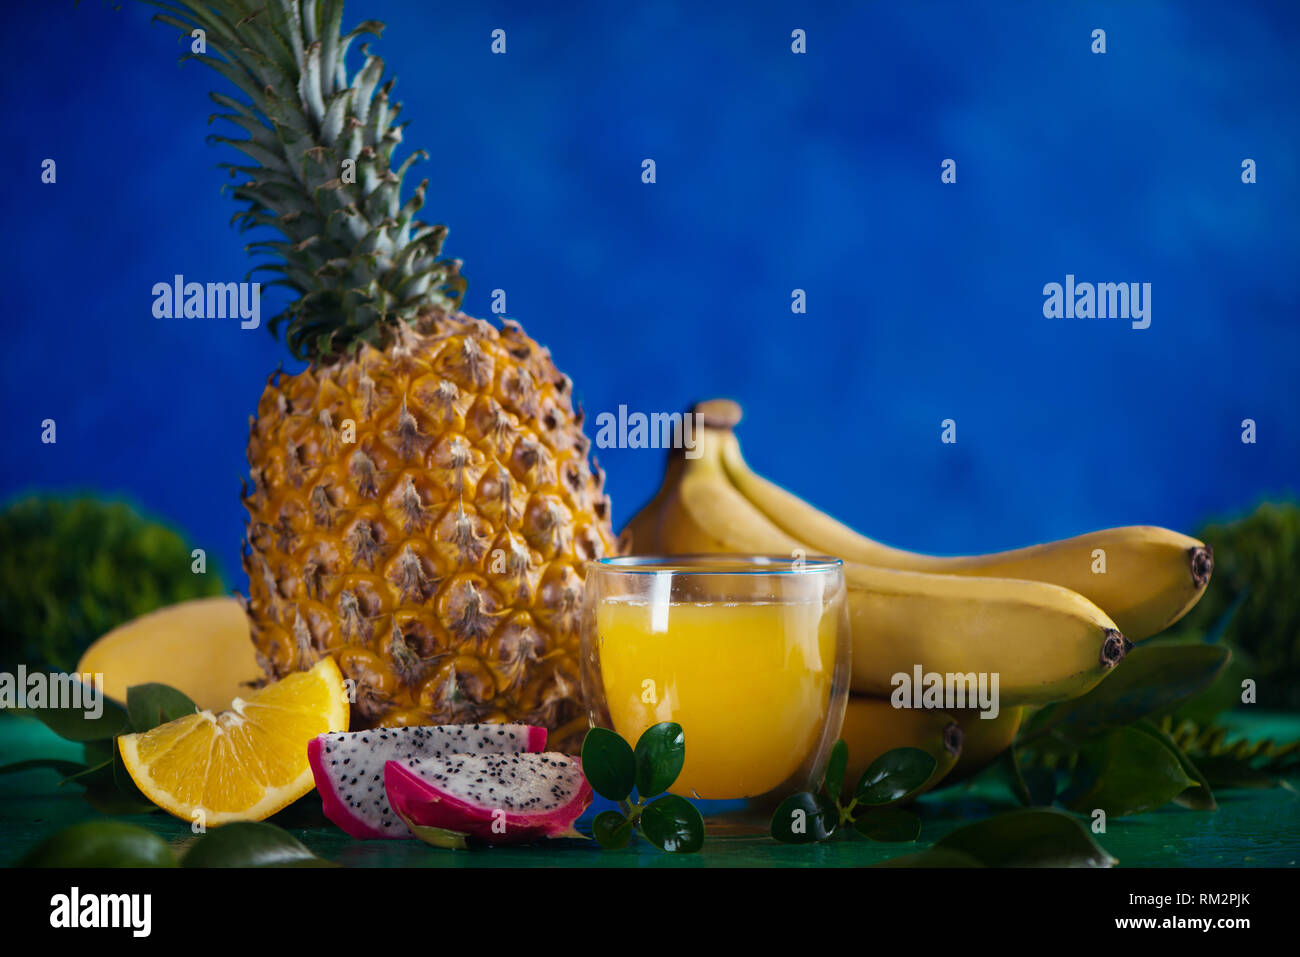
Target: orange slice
245, 763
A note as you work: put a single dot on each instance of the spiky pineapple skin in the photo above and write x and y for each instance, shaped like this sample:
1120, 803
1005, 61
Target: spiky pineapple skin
438, 555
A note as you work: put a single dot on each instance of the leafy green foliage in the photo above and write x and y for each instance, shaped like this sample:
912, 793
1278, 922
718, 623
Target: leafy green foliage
1232, 763
608, 764
660, 754
1120, 749
1027, 838
101, 844
671, 823
1255, 593
1149, 680
305, 116
612, 830
74, 724
108, 786
73, 569
1198, 796
807, 817
250, 844
894, 776
150, 705
119, 844
836, 766
1126, 772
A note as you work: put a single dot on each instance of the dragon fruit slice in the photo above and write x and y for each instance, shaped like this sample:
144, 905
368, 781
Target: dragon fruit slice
349, 766
496, 798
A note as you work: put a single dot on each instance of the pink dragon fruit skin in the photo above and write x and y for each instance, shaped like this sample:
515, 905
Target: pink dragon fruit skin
349, 767
532, 795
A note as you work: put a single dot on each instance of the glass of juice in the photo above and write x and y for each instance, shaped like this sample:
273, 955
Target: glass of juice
749, 654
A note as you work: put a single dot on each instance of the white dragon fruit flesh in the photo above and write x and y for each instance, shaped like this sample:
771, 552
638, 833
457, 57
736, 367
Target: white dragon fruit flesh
496, 798
349, 766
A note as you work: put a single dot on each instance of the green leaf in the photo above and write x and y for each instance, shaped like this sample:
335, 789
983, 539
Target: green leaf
250, 844
99, 752
101, 844
894, 775
1125, 772
1150, 679
99, 765
65, 768
888, 824
1030, 837
835, 767
1200, 798
805, 818
108, 787
440, 837
609, 764
1224, 692
436, 836
673, 824
612, 830
73, 724
150, 705
660, 754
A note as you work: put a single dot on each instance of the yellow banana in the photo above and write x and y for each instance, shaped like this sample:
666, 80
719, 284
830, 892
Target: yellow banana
983, 739
1145, 578
873, 726
1043, 642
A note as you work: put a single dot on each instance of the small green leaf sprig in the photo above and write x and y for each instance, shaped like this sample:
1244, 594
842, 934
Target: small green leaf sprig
812, 816
669, 822
108, 786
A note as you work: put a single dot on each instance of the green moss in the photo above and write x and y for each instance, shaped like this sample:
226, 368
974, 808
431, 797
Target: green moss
72, 569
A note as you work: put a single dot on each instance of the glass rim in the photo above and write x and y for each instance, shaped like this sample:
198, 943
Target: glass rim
722, 564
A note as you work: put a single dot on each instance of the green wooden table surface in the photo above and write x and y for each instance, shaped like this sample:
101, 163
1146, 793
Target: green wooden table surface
1252, 828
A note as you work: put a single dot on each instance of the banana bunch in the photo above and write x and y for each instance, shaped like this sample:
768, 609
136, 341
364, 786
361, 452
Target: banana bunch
1043, 619
983, 739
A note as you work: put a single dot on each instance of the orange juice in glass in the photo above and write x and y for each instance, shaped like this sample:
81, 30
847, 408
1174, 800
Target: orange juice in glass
748, 654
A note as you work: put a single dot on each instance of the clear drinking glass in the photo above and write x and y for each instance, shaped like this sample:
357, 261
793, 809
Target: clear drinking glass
749, 654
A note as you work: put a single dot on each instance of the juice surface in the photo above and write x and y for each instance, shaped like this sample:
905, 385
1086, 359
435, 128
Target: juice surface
749, 683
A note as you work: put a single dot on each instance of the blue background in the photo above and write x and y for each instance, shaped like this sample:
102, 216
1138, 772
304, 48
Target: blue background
775, 171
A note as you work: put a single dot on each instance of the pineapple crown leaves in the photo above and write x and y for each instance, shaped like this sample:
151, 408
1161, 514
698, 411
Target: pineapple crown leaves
351, 250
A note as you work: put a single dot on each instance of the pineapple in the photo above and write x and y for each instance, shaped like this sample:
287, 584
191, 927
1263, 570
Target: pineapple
421, 504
